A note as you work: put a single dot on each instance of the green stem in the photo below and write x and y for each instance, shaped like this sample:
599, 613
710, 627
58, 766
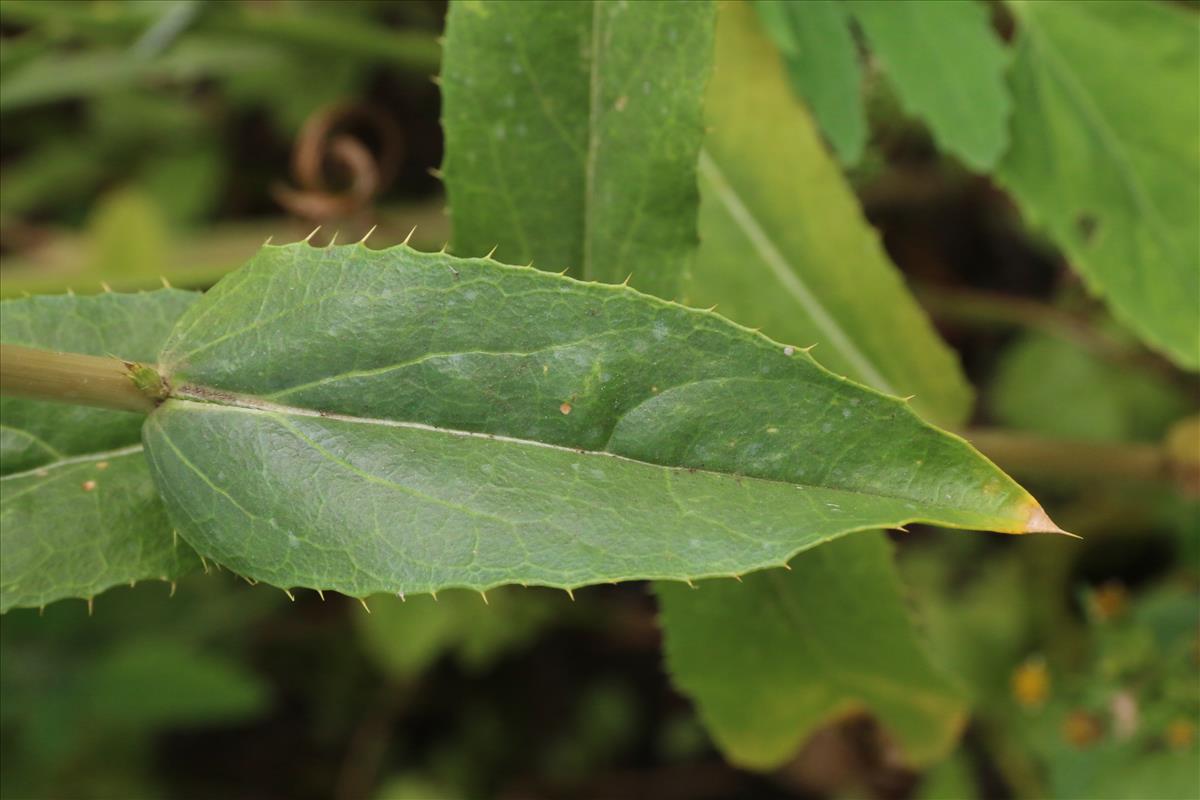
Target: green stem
1028, 454
992, 309
77, 379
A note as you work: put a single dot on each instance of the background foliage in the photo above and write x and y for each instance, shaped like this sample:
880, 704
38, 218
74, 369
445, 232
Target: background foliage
1023, 222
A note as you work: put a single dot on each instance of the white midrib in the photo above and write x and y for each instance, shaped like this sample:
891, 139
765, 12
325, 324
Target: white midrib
589, 166
788, 277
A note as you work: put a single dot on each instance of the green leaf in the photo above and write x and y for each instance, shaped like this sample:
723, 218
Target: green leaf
156, 683
808, 667
406, 637
789, 182
433, 437
79, 510
1104, 156
947, 65
572, 131
69, 75
1057, 388
786, 247
822, 62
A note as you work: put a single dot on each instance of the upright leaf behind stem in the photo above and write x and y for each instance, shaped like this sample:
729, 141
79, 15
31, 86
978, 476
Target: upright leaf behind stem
572, 131
78, 510
1104, 155
785, 244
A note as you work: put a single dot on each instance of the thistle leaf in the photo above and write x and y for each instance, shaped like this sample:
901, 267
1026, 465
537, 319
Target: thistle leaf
391, 421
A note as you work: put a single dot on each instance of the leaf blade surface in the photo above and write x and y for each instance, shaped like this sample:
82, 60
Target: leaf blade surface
947, 65
79, 510
1107, 168
430, 363
850, 639
822, 62
785, 244
571, 134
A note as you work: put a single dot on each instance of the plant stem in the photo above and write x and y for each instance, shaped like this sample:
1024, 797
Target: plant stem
993, 309
71, 378
1029, 454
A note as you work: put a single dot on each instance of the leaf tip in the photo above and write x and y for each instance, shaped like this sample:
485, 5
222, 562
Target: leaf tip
1039, 522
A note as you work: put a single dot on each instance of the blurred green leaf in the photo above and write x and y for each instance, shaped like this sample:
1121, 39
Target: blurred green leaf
129, 237
405, 637
63, 76
571, 134
774, 658
1047, 385
950, 780
1104, 155
818, 48
978, 629
159, 683
947, 65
